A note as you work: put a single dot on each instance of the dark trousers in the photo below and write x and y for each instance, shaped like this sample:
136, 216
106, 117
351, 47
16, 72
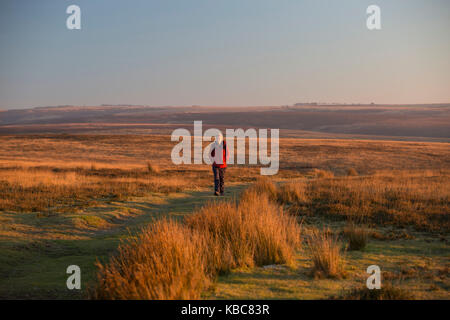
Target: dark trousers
219, 179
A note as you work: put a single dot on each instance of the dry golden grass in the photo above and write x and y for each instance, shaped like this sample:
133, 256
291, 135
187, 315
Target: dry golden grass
64, 189
164, 262
56, 171
173, 261
262, 186
357, 237
286, 193
227, 235
397, 183
59, 173
326, 254
133, 151
274, 233
402, 198
254, 232
365, 156
292, 192
323, 174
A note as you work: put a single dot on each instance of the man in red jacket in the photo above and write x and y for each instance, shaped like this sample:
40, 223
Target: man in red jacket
219, 165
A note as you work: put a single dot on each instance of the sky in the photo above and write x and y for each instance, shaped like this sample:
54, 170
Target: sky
223, 52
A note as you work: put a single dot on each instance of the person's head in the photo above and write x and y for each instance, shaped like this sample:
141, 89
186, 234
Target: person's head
219, 138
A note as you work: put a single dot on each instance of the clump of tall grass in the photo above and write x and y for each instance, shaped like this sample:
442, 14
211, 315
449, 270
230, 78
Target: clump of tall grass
164, 262
292, 192
357, 237
262, 186
170, 260
224, 233
274, 233
255, 232
326, 254
351, 172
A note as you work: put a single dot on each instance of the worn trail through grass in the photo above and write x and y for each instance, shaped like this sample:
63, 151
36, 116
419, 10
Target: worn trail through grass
36, 249
34, 267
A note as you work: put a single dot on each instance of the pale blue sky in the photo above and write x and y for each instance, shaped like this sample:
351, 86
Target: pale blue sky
223, 52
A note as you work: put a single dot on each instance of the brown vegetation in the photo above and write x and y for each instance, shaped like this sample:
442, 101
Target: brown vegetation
402, 198
357, 237
326, 254
397, 184
351, 172
292, 192
45, 189
164, 262
323, 174
174, 261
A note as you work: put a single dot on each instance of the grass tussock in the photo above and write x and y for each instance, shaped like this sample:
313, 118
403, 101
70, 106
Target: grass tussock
325, 250
164, 262
224, 233
292, 192
255, 232
357, 237
171, 260
351, 172
262, 186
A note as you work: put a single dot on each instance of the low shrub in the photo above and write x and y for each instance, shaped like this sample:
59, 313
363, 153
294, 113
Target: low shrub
357, 237
326, 254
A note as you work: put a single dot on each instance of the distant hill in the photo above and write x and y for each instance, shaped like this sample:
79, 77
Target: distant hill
420, 121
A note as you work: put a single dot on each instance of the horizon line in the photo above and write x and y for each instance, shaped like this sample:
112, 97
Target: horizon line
299, 104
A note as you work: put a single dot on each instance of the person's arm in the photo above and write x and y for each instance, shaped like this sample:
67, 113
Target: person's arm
227, 155
212, 153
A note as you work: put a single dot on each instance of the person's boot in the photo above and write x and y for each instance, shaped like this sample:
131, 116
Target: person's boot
216, 193
222, 193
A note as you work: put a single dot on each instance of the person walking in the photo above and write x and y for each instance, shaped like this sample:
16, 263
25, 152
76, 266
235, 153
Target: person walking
219, 155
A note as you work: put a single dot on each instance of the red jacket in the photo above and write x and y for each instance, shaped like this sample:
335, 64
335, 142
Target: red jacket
225, 155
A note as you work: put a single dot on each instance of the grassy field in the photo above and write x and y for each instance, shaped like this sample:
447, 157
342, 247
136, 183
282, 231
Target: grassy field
73, 199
